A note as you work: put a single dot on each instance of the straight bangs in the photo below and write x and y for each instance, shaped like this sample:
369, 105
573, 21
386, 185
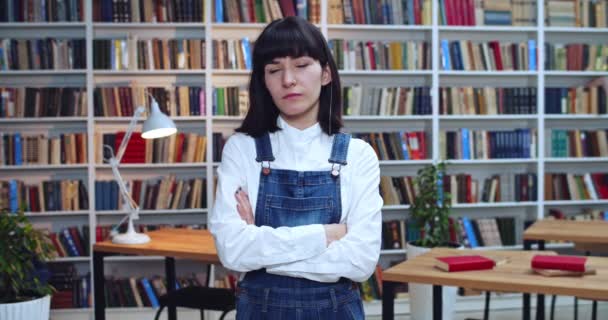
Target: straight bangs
286, 38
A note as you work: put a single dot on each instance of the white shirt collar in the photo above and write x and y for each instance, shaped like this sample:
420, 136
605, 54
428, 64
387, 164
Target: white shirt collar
296, 135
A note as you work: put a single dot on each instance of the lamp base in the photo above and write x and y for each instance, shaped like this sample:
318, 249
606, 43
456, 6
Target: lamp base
131, 238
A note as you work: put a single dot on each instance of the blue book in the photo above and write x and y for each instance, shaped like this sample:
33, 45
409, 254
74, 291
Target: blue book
149, 292
11, 14
457, 62
247, 52
71, 244
3, 65
468, 228
219, 11
527, 143
98, 198
466, 152
18, 149
410, 12
302, 8
388, 13
454, 56
12, 196
606, 215
445, 56
115, 196
367, 11
404, 149
532, 55
107, 195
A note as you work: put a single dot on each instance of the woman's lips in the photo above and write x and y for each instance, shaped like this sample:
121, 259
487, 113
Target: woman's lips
291, 96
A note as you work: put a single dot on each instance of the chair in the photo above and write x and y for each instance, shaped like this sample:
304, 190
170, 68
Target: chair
201, 298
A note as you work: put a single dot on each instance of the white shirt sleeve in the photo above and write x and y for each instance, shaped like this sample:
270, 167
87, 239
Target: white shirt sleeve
355, 255
243, 247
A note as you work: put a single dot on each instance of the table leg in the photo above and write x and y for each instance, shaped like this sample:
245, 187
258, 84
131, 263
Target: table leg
526, 297
486, 309
388, 300
99, 284
540, 299
437, 303
170, 276
540, 307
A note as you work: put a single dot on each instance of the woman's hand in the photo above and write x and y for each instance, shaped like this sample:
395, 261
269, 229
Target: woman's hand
334, 232
243, 206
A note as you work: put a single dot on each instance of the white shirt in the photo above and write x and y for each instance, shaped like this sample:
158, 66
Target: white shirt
299, 251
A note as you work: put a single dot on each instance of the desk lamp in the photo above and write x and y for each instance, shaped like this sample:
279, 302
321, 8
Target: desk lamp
158, 125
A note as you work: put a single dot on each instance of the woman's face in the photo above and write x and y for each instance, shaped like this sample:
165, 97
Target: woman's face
295, 87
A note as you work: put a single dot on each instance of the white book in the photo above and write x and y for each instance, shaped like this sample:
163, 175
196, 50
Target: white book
590, 186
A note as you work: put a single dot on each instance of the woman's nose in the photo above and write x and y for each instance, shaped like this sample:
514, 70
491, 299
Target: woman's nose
289, 79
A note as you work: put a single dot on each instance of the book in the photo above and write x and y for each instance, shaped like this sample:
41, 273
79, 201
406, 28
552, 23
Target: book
565, 263
464, 263
563, 273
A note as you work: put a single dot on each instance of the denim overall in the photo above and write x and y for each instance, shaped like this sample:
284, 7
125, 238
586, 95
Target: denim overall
294, 198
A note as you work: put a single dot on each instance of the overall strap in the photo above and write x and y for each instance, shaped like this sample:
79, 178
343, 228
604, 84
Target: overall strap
339, 148
263, 148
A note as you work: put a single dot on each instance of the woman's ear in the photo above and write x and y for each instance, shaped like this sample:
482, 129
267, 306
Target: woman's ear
326, 75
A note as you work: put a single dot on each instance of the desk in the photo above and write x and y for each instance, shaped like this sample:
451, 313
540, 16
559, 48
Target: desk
170, 243
567, 230
582, 233
514, 276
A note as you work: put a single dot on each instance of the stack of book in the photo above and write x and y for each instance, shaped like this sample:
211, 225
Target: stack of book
551, 266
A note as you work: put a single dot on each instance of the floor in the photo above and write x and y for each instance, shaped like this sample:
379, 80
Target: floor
561, 313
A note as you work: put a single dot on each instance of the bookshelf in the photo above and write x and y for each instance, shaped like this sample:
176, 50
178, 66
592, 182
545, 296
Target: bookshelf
435, 77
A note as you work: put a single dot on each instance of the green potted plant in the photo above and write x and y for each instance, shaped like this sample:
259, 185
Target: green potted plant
431, 207
24, 290
430, 213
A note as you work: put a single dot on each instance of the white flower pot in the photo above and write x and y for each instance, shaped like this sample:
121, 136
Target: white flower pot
37, 309
421, 295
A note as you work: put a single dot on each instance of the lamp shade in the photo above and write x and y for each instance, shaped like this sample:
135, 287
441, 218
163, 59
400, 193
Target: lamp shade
158, 125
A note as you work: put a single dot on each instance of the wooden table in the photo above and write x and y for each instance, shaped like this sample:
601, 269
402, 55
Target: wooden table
513, 276
567, 230
585, 234
170, 243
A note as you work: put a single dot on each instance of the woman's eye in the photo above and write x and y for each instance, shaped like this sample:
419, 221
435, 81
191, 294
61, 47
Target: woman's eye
271, 71
303, 65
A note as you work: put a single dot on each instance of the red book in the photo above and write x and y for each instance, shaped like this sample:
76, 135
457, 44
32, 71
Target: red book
464, 263
495, 46
566, 263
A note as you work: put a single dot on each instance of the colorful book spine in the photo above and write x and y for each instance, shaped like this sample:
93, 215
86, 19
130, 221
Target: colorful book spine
445, 57
468, 227
531, 55
219, 11
149, 292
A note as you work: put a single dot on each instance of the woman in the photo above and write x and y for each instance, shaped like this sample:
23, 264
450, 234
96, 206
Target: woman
312, 225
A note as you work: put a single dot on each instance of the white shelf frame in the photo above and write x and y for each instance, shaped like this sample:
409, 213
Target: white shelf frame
209, 30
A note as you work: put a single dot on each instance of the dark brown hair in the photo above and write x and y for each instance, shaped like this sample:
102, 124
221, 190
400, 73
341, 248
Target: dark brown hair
290, 37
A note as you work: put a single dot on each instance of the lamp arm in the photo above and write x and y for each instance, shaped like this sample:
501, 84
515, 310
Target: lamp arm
132, 205
125, 140
115, 161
